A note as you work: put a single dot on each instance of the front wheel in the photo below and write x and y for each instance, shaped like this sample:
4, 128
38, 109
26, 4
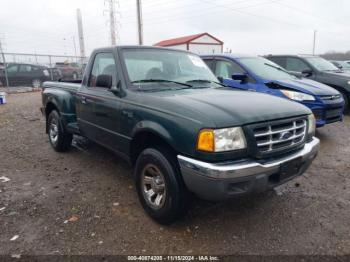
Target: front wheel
59, 138
346, 102
160, 188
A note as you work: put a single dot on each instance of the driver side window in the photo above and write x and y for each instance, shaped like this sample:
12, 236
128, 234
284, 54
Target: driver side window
226, 69
296, 65
104, 64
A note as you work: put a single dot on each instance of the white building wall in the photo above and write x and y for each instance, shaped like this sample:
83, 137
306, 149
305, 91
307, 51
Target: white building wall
180, 47
205, 49
206, 39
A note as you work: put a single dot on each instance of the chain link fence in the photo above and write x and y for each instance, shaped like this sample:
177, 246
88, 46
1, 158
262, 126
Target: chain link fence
14, 67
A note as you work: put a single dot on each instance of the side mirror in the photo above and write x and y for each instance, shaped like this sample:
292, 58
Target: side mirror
307, 72
239, 77
104, 81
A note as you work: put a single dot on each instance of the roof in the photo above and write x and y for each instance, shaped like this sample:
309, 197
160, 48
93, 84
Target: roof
184, 40
230, 55
298, 55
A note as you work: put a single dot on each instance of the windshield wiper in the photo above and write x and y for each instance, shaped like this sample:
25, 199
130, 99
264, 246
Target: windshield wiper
160, 81
276, 67
204, 81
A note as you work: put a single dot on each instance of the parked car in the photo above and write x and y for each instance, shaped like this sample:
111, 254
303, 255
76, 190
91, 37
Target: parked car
261, 75
25, 74
318, 69
69, 70
343, 65
165, 113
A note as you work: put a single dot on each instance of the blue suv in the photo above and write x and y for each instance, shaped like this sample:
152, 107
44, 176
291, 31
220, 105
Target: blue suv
262, 75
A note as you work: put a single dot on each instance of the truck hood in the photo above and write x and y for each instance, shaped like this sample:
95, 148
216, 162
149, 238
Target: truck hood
307, 86
226, 107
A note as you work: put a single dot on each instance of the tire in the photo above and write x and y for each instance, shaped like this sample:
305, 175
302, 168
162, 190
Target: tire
59, 138
36, 83
346, 101
157, 169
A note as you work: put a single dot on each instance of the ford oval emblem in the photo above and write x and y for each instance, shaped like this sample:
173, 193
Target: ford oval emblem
286, 135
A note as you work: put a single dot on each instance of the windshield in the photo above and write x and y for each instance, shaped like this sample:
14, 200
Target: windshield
265, 68
321, 64
145, 67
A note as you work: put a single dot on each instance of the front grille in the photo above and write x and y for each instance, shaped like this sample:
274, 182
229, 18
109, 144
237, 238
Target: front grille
330, 97
279, 135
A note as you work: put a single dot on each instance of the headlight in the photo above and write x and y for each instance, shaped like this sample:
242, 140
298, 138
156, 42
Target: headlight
312, 125
348, 82
221, 140
297, 96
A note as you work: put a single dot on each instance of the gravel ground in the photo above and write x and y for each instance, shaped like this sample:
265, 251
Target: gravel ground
84, 202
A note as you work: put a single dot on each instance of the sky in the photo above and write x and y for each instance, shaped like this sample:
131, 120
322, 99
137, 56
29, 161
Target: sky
255, 27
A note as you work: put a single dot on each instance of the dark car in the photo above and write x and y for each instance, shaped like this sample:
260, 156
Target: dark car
69, 70
164, 112
318, 69
261, 75
343, 65
25, 74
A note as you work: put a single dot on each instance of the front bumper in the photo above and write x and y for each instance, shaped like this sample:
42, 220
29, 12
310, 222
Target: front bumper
219, 181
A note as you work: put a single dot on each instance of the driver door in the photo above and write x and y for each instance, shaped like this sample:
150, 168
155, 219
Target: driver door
97, 107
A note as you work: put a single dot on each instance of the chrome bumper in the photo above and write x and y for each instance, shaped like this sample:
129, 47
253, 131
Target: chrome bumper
217, 181
235, 170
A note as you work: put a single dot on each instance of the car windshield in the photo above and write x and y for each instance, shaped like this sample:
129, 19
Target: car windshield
265, 68
149, 68
321, 64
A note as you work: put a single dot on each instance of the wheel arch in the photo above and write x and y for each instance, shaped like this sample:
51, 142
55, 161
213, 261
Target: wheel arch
150, 134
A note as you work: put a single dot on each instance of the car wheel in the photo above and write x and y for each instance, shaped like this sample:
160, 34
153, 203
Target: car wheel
346, 102
36, 83
59, 138
159, 185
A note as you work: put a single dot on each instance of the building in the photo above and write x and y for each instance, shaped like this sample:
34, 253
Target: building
203, 43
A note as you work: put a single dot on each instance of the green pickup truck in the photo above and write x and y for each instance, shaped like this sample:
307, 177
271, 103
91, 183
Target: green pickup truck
184, 132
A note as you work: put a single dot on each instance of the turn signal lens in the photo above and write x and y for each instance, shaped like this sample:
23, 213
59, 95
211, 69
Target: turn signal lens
206, 140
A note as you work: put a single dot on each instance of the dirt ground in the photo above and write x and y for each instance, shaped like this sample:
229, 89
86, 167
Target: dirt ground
84, 201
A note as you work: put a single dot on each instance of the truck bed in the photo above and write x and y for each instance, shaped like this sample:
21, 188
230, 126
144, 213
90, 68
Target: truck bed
71, 86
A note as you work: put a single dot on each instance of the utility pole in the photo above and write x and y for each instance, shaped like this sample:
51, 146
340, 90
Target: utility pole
112, 21
314, 45
81, 35
75, 49
139, 21
5, 66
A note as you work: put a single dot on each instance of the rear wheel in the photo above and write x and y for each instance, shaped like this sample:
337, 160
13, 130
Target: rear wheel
160, 188
59, 138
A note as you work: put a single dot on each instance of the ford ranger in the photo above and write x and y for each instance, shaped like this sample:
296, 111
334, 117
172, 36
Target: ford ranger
165, 112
